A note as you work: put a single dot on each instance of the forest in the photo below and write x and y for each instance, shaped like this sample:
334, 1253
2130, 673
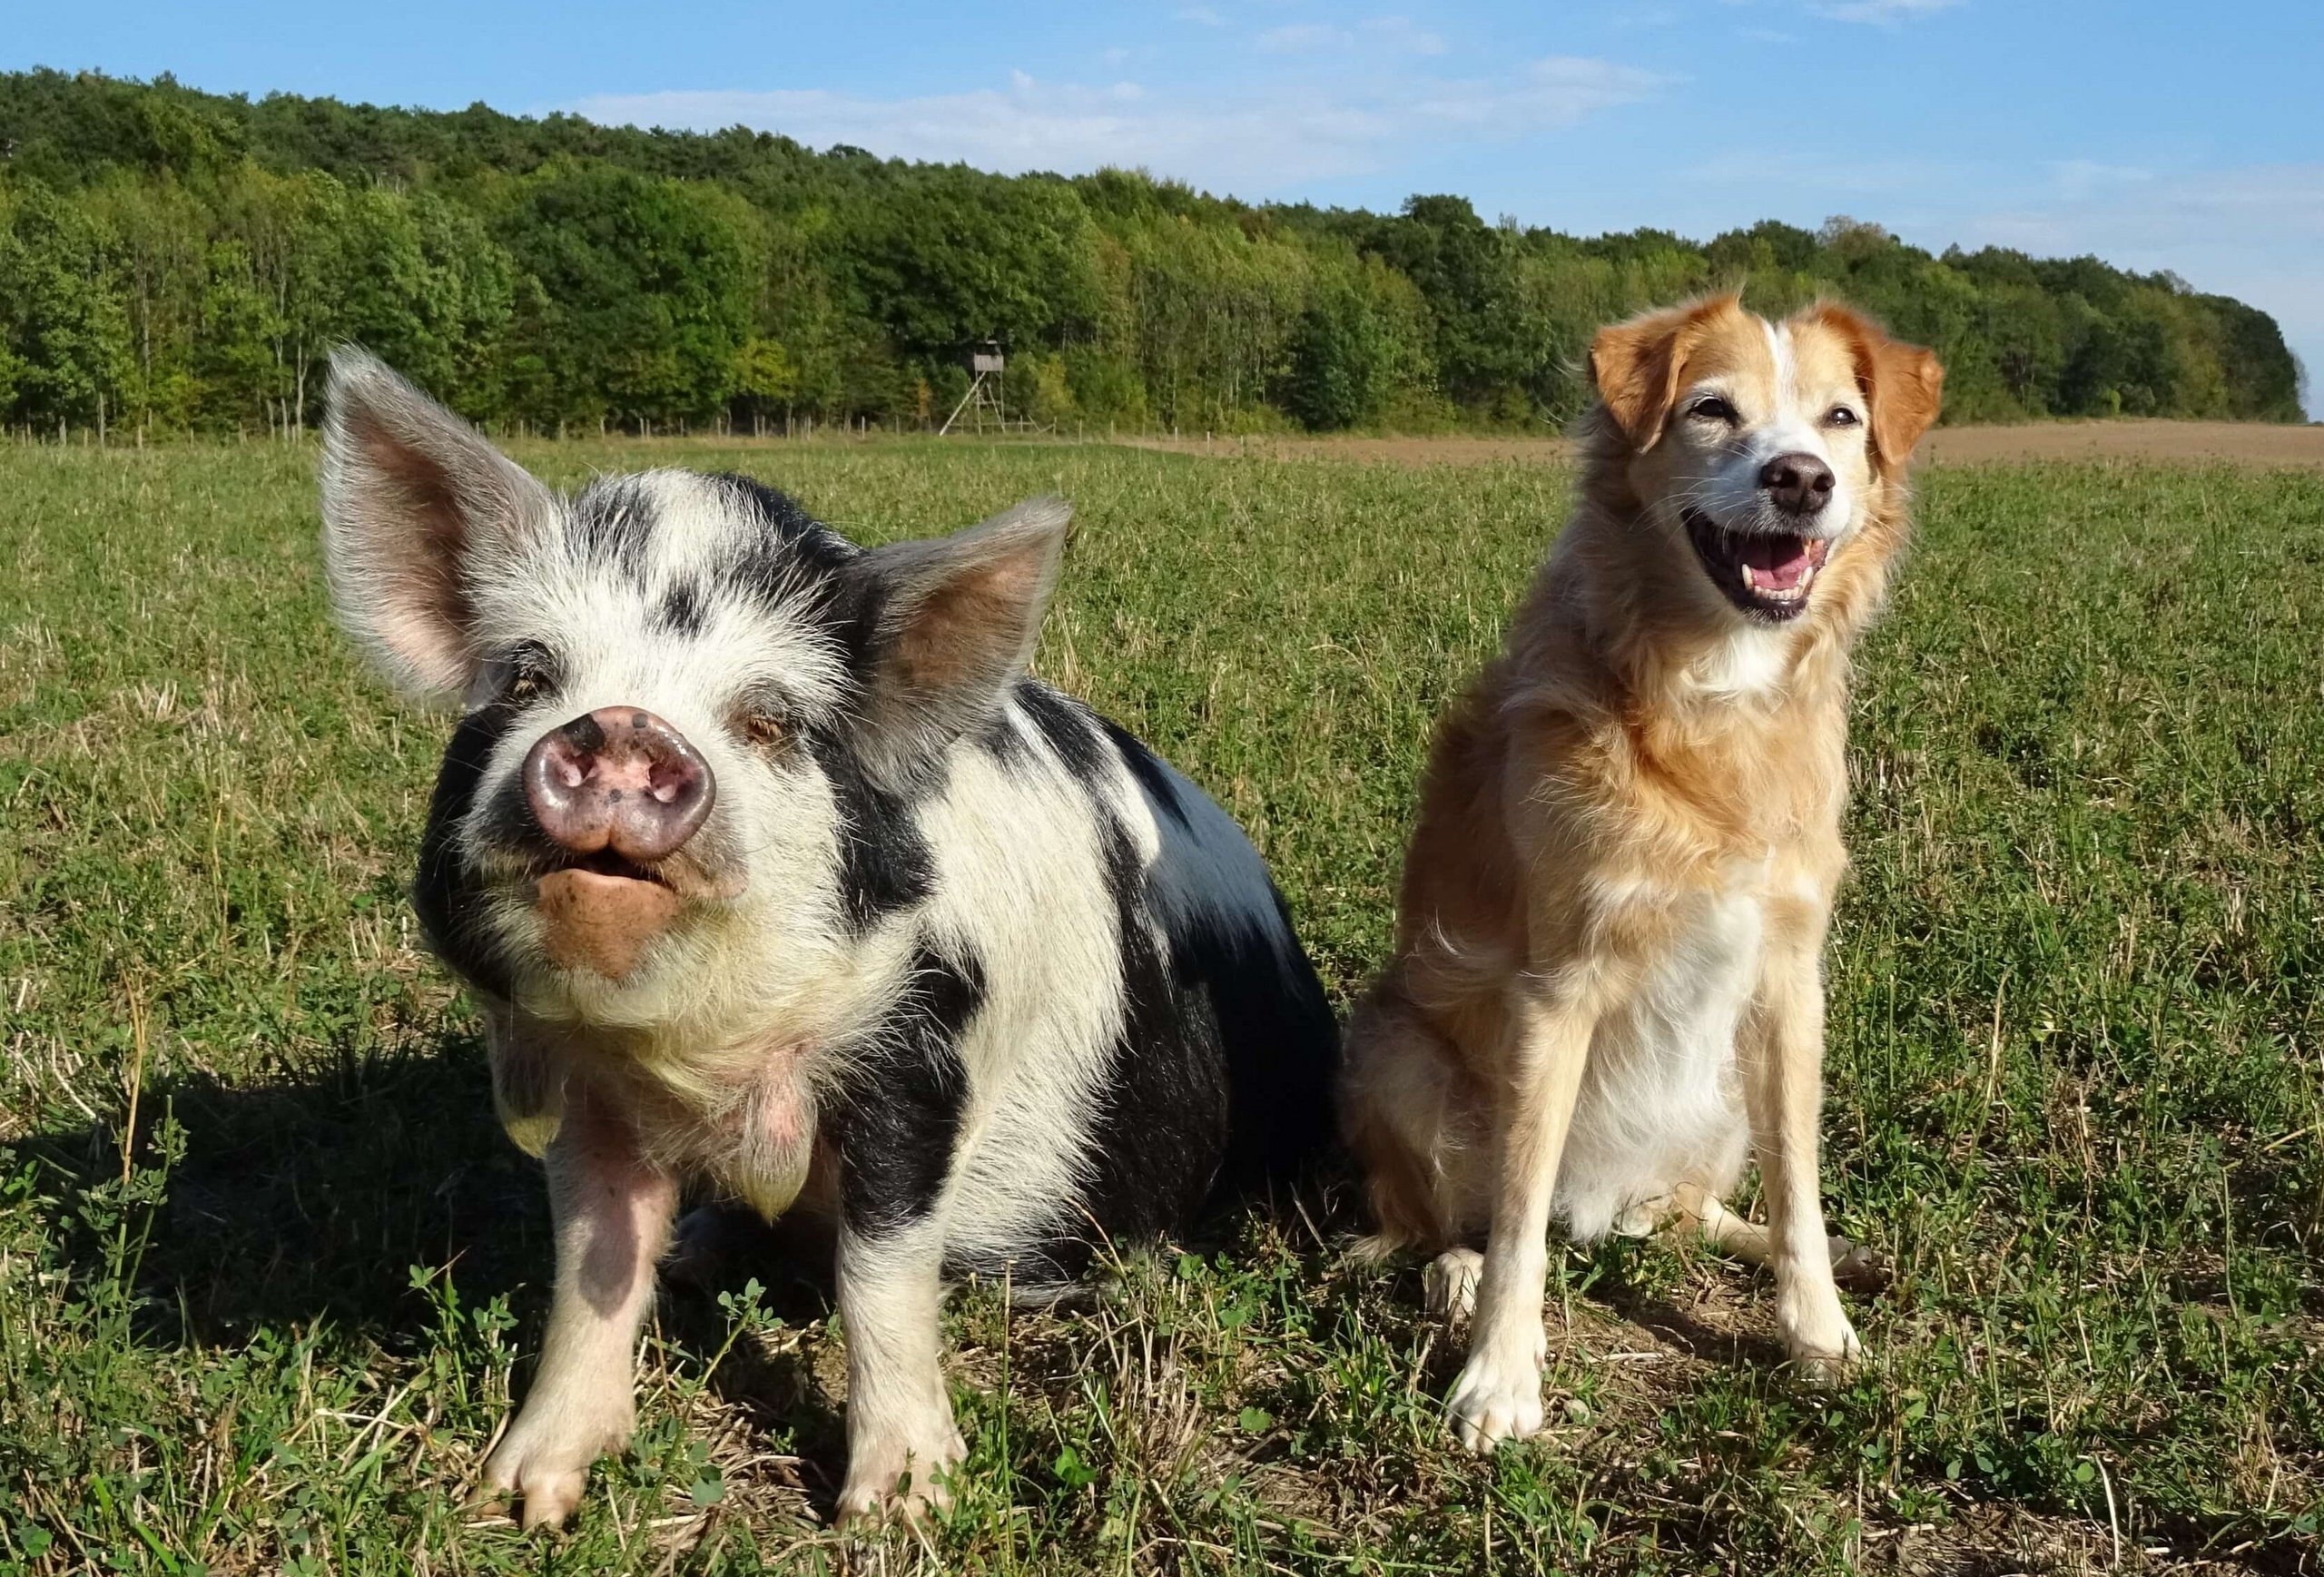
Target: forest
173, 262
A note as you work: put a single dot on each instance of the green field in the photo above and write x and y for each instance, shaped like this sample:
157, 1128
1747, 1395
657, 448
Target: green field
269, 1273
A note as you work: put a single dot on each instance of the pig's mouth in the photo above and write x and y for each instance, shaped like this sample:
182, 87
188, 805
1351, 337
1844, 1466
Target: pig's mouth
607, 862
1765, 574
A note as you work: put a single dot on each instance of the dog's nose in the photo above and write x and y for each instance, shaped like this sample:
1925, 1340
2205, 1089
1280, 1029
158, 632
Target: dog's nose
618, 778
1797, 484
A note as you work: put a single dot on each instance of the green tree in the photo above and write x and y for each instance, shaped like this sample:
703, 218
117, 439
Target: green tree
63, 330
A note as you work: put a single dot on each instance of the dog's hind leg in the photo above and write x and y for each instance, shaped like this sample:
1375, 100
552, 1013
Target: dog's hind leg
1854, 1266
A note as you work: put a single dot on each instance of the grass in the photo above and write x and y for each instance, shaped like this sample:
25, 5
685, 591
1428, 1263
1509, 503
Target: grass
269, 1275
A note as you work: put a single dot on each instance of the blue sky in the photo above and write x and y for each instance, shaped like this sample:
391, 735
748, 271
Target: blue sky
2155, 134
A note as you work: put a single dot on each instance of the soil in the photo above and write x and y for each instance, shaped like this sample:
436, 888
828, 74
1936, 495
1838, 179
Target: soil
2164, 442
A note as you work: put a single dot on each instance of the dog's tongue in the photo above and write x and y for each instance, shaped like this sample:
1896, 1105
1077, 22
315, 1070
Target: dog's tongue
1777, 563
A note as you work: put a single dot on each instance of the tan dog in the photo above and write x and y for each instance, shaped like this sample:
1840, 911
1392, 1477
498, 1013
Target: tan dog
1606, 994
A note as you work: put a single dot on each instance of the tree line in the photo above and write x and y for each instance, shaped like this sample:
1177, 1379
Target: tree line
173, 262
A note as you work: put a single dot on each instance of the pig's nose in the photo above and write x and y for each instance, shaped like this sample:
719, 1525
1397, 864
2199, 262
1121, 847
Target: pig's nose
618, 778
1798, 484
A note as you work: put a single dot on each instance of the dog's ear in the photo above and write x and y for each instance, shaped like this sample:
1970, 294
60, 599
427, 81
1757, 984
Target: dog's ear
1903, 384
1636, 364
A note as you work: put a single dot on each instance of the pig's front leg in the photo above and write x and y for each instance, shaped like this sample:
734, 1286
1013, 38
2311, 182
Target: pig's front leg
612, 1216
901, 1438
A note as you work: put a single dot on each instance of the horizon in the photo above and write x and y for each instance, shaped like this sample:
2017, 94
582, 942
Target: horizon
1592, 122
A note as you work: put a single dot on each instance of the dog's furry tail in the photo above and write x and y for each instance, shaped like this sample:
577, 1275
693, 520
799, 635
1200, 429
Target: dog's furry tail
1407, 1119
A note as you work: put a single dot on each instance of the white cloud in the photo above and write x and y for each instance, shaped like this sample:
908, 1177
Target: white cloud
2079, 179
1403, 34
1881, 13
1302, 37
1388, 35
1200, 15
1783, 180
2252, 232
1263, 140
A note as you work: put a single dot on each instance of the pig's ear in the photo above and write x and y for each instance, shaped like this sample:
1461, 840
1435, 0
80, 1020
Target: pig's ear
953, 626
413, 496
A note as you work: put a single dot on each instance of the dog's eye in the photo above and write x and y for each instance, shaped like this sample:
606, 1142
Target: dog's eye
1711, 407
1839, 416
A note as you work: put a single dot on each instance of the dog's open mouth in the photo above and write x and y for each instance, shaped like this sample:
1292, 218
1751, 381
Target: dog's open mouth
1767, 574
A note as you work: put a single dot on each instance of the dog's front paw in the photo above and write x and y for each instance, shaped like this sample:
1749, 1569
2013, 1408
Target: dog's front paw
1498, 1398
543, 1463
900, 1474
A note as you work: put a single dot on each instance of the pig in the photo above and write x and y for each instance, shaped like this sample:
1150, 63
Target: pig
777, 879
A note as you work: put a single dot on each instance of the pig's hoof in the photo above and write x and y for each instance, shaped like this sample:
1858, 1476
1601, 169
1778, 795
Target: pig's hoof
900, 1479
545, 1473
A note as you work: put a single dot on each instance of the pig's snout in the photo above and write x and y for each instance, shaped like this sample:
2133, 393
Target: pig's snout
618, 778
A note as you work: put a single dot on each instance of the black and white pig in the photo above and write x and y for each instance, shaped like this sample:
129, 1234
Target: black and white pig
777, 877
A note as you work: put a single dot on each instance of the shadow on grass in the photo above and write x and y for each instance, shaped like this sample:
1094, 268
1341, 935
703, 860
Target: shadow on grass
312, 1197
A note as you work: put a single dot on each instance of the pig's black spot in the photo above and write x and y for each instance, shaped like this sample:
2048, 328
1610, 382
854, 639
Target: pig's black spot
1160, 1133
899, 1114
850, 612
1071, 728
585, 733
445, 891
1148, 769
783, 524
884, 863
1221, 1073
681, 611
1003, 740
1276, 1032
613, 796
611, 521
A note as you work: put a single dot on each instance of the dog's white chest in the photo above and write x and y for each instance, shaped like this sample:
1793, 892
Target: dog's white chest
1691, 999
1661, 1101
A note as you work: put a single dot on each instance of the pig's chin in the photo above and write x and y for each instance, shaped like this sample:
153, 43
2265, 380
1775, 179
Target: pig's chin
601, 922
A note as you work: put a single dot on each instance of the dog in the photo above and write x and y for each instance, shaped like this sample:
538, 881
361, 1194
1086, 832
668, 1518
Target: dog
1606, 993
778, 879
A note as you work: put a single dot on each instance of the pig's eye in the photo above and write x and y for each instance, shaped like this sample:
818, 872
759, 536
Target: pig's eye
763, 726
529, 674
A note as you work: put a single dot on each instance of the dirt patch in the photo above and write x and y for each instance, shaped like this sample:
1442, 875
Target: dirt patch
2168, 442
2252, 443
